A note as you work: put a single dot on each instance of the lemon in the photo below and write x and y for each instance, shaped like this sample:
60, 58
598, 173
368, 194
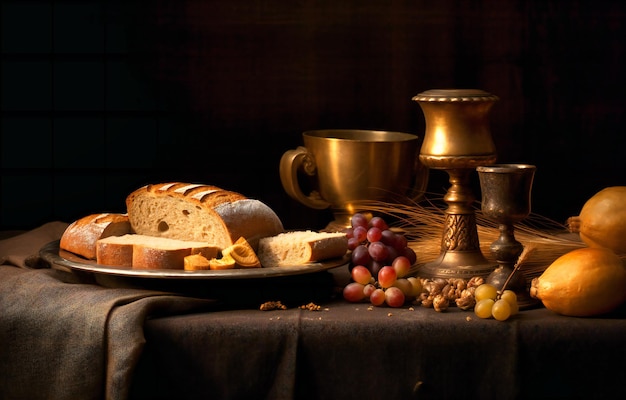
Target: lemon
583, 282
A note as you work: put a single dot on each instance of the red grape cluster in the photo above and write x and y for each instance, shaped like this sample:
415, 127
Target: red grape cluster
374, 245
380, 263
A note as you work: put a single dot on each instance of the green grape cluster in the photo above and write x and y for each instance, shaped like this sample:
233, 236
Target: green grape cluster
492, 304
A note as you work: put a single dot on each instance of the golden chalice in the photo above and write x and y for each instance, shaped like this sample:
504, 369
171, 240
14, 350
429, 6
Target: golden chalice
457, 140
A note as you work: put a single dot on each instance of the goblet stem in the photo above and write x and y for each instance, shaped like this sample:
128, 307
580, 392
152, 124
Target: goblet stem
506, 250
460, 255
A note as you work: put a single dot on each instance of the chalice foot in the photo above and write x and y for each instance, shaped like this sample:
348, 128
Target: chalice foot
506, 276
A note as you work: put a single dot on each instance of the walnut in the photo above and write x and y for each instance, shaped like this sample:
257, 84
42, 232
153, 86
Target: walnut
449, 292
475, 281
426, 300
440, 303
459, 283
272, 305
438, 285
439, 293
426, 285
465, 303
469, 291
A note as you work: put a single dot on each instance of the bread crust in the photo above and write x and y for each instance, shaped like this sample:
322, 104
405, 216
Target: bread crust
250, 219
148, 252
80, 236
150, 258
199, 212
114, 254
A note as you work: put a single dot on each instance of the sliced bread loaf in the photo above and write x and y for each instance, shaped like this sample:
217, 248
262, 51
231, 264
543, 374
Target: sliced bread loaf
301, 247
199, 212
149, 252
81, 236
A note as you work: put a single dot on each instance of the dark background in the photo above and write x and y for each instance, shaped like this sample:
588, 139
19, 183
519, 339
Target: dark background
101, 97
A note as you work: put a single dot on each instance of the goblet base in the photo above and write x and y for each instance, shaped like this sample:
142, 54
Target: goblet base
457, 264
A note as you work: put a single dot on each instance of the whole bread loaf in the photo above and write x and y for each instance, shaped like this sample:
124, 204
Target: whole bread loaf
200, 212
149, 252
80, 236
301, 247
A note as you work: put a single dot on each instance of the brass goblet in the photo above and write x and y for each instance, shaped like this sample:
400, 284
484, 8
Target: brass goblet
506, 200
457, 140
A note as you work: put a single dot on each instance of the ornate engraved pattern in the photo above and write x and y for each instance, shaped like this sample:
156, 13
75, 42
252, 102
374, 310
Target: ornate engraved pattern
459, 233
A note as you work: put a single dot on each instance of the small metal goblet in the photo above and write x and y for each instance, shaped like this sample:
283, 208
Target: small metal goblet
506, 197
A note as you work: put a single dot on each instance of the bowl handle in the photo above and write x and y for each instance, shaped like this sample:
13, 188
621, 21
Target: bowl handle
290, 164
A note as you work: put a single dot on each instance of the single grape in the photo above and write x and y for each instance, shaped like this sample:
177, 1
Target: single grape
482, 309
377, 297
387, 276
402, 265
374, 234
374, 267
404, 285
378, 251
401, 242
361, 274
360, 255
353, 243
417, 286
353, 292
360, 233
378, 222
389, 237
410, 254
368, 290
485, 291
509, 296
514, 308
392, 254
394, 297
501, 310
359, 219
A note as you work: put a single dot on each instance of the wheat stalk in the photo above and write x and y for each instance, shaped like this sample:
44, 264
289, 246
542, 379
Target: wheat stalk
423, 223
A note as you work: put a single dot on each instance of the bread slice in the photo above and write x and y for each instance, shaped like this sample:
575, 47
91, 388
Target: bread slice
198, 212
301, 247
148, 252
80, 236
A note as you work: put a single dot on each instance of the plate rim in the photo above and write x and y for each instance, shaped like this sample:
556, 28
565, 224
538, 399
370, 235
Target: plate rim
52, 253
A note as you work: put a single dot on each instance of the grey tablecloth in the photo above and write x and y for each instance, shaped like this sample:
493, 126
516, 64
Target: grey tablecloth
61, 338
